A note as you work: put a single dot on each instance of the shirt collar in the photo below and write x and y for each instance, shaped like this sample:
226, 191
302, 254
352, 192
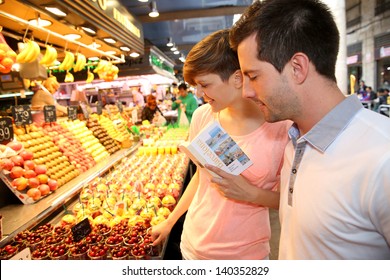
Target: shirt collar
330, 126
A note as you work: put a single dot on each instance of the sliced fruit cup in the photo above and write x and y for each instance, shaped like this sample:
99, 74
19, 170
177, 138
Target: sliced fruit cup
59, 252
98, 252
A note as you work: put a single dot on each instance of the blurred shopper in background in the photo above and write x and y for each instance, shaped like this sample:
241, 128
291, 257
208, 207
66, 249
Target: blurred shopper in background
150, 109
333, 205
185, 101
215, 226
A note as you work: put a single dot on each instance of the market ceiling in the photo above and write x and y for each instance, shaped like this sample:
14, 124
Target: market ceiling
186, 22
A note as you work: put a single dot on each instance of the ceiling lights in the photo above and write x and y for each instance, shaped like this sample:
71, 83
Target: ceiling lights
109, 40
40, 22
153, 9
88, 29
56, 11
170, 43
134, 54
125, 49
72, 36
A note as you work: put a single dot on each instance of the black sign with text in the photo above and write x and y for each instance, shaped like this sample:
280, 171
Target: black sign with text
49, 112
120, 106
72, 112
81, 230
6, 130
22, 115
99, 108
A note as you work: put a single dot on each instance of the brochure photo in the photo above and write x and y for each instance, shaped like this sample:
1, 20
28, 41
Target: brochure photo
213, 145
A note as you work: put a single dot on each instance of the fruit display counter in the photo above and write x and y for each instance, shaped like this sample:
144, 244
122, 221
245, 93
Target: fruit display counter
120, 198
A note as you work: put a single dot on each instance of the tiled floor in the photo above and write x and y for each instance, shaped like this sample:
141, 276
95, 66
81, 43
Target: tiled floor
275, 233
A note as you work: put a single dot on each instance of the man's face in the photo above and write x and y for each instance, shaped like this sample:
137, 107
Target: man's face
182, 92
264, 84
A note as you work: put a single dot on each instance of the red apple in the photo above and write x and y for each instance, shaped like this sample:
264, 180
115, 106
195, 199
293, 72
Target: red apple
34, 193
44, 189
6, 164
33, 182
15, 145
16, 172
29, 165
30, 174
20, 183
40, 169
26, 155
17, 160
53, 184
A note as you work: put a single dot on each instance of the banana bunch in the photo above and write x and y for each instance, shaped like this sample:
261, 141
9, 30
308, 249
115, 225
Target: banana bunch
50, 56
29, 53
68, 61
69, 77
90, 77
102, 66
80, 62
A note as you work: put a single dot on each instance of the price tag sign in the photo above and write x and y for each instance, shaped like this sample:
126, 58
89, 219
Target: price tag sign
25, 254
6, 130
99, 108
72, 112
81, 230
85, 110
22, 115
49, 112
120, 106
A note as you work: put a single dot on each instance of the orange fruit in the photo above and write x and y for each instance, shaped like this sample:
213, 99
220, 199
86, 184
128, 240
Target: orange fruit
7, 62
4, 47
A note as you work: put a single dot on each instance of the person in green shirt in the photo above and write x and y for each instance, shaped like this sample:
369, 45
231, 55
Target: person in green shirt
188, 100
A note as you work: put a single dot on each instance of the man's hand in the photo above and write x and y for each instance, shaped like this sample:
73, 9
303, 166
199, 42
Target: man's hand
233, 186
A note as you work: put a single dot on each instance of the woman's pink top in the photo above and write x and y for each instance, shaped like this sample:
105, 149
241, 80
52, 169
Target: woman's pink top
219, 228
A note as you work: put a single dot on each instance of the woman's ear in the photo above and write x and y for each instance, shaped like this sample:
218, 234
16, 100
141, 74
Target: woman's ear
238, 81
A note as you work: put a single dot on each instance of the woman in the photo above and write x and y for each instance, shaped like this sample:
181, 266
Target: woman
216, 226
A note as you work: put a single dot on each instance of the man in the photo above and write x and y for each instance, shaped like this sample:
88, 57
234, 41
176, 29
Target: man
333, 204
187, 100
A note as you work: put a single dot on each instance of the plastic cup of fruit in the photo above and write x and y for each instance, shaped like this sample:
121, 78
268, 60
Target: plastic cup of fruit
59, 252
61, 231
35, 243
78, 251
41, 253
114, 241
97, 252
120, 253
8, 251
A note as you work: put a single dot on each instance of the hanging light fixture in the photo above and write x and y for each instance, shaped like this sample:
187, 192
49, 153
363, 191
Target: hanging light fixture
173, 48
153, 9
170, 43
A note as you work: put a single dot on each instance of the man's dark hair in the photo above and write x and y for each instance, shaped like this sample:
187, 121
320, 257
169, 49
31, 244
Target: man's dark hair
182, 86
286, 27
